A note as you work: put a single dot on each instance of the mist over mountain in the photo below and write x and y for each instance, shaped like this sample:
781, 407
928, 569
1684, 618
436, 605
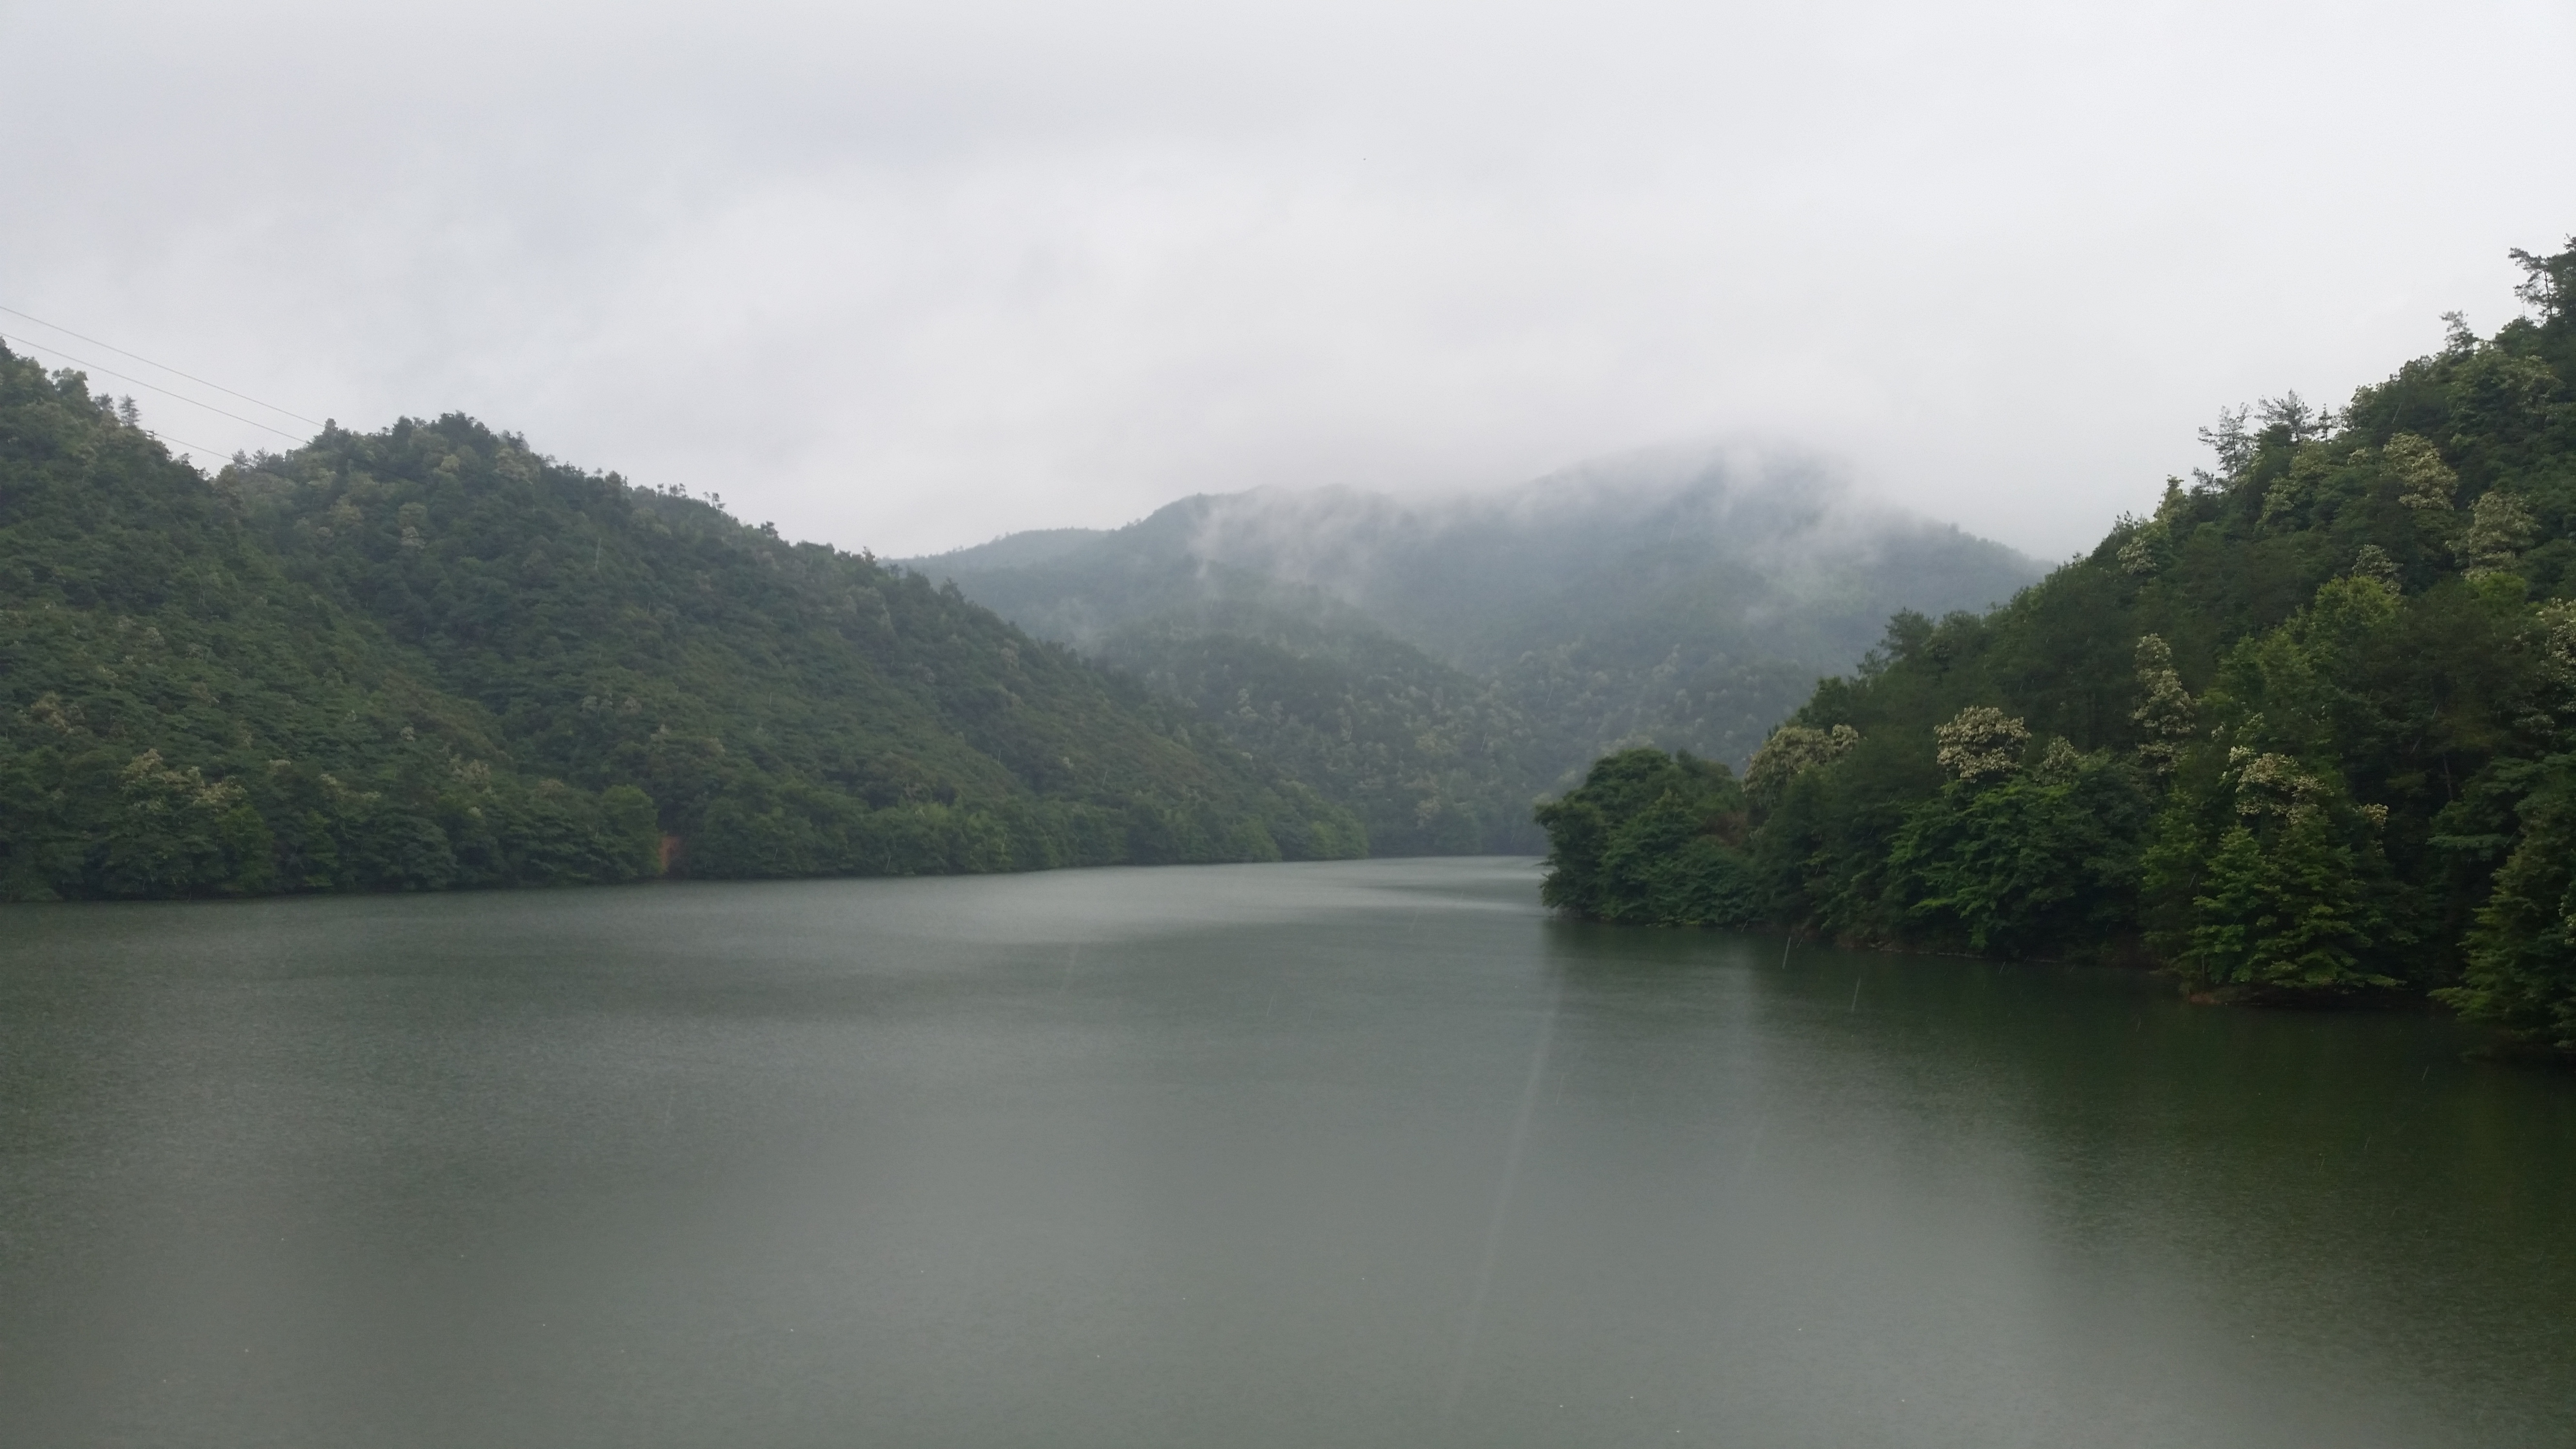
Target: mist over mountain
1687, 599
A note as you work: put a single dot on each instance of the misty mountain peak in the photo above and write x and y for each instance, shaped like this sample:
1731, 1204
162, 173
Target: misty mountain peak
1681, 596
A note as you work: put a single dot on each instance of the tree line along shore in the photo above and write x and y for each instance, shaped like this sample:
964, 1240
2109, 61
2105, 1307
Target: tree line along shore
2308, 731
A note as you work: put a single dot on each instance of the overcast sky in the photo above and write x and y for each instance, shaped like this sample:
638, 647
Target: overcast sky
908, 276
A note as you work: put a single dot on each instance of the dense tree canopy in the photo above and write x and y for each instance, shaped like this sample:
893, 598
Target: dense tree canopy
2309, 728
1654, 839
429, 657
1433, 760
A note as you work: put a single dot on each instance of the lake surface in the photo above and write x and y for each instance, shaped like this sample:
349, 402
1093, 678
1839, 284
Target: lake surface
1370, 1153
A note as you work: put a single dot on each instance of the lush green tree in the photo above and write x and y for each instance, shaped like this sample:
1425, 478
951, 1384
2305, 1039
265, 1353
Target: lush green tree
2274, 881
2022, 859
2304, 731
2521, 968
1651, 838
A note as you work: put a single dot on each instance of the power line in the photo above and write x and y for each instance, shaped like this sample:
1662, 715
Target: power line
182, 442
165, 367
165, 439
165, 392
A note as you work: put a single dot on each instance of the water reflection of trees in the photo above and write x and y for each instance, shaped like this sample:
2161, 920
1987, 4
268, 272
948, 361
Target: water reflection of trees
2342, 1199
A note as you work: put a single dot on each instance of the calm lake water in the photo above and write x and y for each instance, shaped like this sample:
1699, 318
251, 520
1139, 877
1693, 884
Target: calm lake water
1352, 1154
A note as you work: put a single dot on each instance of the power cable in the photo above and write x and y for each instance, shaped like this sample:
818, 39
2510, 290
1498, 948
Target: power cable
165, 367
165, 438
165, 392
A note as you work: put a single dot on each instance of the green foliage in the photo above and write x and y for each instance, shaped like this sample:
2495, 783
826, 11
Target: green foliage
2288, 912
2307, 730
2026, 861
2266, 877
1651, 838
1792, 751
429, 658
2521, 967
1432, 760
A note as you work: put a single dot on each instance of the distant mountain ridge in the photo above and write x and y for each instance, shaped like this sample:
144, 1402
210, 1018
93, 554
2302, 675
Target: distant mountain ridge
1687, 599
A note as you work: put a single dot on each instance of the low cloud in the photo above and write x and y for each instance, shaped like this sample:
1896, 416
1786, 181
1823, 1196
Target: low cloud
909, 277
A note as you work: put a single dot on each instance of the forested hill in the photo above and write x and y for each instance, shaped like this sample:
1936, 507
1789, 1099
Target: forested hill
429, 657
1437, 665
1433, 760
2310, 729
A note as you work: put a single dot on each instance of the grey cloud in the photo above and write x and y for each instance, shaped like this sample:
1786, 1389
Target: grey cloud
910, 276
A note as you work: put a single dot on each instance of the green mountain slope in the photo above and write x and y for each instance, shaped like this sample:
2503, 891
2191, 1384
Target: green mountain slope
1499, 643
429, 657
1433, 760
2310, 729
